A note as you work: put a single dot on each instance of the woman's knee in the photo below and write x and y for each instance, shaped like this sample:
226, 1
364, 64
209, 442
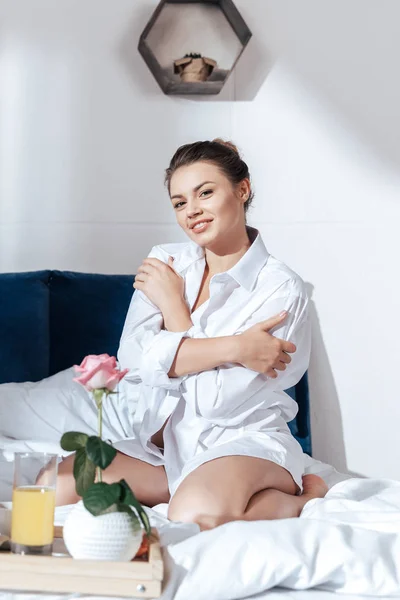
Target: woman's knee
194, 508
202, 518
148, 483
65, 486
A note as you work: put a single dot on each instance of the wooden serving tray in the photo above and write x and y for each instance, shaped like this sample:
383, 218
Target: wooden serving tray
139, 578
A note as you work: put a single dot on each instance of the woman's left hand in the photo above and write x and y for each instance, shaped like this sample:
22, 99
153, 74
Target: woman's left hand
161, 284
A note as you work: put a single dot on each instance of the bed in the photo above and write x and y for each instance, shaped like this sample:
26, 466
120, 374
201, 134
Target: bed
347, 543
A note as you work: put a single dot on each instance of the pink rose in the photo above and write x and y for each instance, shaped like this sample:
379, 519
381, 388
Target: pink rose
99, 372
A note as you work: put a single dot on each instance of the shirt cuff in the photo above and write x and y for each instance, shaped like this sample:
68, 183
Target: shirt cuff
195, 332
158, 358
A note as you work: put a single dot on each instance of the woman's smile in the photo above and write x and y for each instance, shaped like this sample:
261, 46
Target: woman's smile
201, 226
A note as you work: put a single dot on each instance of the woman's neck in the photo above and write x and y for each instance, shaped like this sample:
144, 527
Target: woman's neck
221, 260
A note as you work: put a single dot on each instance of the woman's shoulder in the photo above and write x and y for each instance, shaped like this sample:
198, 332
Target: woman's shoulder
280, 276
175, 249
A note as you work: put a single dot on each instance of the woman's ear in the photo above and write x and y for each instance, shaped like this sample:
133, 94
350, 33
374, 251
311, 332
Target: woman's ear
244, 190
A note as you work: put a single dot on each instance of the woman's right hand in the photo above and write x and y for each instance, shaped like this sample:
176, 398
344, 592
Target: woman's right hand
262, 352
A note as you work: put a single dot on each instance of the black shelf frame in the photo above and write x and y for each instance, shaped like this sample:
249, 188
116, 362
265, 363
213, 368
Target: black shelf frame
170, 85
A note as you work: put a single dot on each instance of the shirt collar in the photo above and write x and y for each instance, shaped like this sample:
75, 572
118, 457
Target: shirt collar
192, 254
247, 269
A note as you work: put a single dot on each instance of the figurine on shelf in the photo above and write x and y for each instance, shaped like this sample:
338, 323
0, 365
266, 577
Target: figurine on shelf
194, 67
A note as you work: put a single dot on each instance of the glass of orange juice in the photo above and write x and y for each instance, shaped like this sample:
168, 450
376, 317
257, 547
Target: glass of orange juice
33, 502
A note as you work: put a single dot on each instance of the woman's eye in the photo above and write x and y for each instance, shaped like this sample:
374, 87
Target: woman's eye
179, 205
207, 192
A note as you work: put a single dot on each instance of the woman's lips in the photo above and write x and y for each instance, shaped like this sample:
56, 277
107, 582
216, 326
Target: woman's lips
201, 227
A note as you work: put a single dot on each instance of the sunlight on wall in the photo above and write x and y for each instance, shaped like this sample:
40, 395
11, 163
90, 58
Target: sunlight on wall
13, 68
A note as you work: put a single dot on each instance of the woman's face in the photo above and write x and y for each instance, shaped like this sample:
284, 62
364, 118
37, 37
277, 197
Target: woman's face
207, 207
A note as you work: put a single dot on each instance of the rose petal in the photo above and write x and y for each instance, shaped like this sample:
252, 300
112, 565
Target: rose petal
112, 382
86, 377
98, 380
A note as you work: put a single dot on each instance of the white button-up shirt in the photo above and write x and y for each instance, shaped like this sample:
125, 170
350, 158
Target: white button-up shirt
213, 407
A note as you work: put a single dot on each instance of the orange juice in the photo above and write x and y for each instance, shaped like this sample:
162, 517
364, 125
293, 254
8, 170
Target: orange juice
32, 516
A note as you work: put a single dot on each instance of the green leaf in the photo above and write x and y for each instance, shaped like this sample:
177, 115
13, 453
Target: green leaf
127, 509
73, 440
129, 499
100, 497
99, 452
84, 471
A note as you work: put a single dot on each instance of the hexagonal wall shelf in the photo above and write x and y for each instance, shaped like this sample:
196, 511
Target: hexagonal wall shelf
192, 46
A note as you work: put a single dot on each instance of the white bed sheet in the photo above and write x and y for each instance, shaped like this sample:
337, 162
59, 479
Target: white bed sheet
275, 594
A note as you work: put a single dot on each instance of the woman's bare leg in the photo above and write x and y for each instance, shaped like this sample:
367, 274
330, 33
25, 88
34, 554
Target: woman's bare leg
273, 504
234, 488
149, 483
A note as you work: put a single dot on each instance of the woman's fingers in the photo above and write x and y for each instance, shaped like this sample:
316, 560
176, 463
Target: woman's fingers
148, 269
140, 281
288, 346
274, 321
271, 373
280, 366
155, 263
285, 358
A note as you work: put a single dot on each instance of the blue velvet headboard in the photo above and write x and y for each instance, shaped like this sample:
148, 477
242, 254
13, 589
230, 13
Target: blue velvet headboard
50, 320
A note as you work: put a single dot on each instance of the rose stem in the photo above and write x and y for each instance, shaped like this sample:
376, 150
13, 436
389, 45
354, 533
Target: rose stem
100, 428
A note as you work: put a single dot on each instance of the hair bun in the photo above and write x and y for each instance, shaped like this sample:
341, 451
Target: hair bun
229, 145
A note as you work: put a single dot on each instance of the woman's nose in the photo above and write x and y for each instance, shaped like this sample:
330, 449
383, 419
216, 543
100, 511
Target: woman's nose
193, 210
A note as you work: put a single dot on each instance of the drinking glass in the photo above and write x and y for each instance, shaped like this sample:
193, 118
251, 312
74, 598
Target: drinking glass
33, 502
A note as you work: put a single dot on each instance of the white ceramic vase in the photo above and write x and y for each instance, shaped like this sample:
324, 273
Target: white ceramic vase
112, 536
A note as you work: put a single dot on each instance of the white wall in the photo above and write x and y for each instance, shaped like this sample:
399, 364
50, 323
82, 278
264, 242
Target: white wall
85, 134
323, 139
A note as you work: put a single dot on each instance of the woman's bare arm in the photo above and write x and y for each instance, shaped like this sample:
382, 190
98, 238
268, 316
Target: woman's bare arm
177, 318
195, 355
255, 349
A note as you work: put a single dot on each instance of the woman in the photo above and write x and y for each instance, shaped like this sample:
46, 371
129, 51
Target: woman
201, 421
210, 427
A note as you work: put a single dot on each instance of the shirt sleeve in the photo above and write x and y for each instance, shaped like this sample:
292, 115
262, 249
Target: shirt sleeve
228, 394
145, 348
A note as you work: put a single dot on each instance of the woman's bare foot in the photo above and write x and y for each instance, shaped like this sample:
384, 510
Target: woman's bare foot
314, 487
